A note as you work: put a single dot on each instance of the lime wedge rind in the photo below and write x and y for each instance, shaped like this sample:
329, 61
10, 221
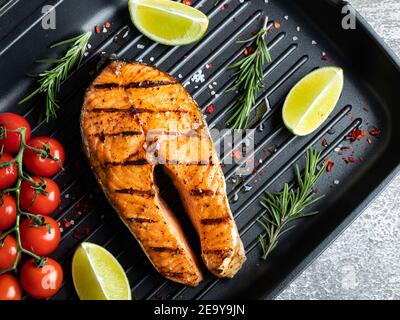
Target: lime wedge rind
197, 20
97, 275
323, 103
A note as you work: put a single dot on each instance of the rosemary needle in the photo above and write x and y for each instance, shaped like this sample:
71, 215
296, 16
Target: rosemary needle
50, 80
289, 205
249, 78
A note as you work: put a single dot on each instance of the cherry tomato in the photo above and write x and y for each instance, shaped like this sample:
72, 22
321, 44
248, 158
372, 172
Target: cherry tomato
8, 212
8, 252
41, 282
12, 121
38, 203
42, 166
8, 175
9, 288
41, 240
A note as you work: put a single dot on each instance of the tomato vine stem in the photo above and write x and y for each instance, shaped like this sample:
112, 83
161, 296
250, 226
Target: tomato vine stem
22, 176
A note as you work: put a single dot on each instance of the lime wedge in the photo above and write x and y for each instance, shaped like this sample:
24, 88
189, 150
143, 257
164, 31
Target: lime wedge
97, 275
168, 22
312, 100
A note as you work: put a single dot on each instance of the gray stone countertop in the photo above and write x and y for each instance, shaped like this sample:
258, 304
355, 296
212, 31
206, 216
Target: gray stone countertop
364, 262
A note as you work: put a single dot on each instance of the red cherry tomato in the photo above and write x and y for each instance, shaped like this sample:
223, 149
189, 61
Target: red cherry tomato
9, 288
39, 165
8, 212
38, 203
8, 252
8, 175
41, 282
41, 240
12, 121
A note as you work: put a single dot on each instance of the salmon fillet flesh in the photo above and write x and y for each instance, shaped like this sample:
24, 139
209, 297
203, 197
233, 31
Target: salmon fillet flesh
136, 117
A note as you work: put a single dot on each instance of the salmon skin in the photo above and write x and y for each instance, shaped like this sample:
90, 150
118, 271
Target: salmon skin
135, 117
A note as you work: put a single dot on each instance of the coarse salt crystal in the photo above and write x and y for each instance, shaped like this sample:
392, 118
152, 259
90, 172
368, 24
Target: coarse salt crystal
295, 38
213, 93
140, 46
298, 28
198, 76
336, 182
286, 17
180, 76
313, 42
151, 59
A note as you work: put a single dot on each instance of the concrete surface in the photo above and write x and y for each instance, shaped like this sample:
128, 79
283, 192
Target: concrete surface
364, 262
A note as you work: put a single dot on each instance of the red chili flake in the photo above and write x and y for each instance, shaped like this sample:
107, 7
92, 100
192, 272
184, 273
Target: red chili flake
77, 235
324, 143
97, 29
187, 2
362, 159
315, 190
223, 7
351, 159
210, 108
248, 51
356, 134
107, 24
86, 231
375, 132
262, 174
324, 57
340, 153
345, 148
369, 140
209, 65
249, 161
256, 168
66, 223
329, 166
365, 109
236, 154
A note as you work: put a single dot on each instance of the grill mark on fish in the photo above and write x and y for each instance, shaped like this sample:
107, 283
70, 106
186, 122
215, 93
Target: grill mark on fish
202, 192
133, 110
138, 162
102, 135
132, 85
166, 249
215, 221
131, 191
223, 253
176, 274
142, 220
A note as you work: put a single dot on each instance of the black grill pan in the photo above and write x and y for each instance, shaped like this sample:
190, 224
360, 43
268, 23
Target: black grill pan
309, 36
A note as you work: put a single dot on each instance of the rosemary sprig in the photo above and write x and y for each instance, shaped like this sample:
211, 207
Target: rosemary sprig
289, 205
50, 80
249, 78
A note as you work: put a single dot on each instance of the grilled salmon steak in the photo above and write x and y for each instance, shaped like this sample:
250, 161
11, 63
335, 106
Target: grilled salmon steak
135, 117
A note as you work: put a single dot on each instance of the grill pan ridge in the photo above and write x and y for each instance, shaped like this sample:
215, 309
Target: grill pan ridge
309, 32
